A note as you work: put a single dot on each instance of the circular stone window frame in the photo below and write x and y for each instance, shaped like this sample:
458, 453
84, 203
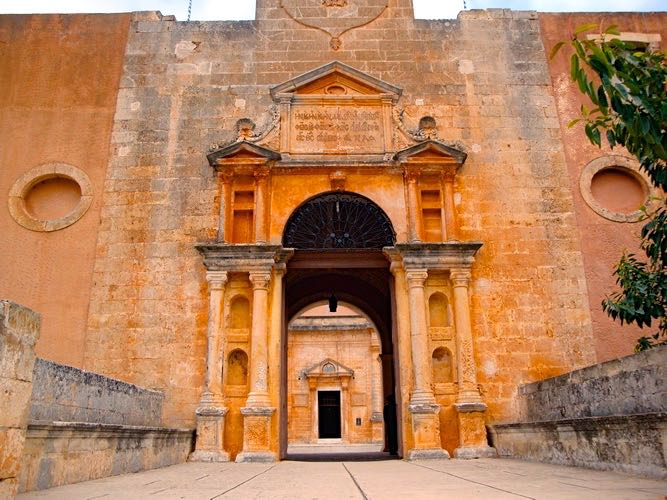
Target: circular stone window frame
620, 163
23, 185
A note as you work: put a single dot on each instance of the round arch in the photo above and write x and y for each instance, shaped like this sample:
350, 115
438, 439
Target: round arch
338, 220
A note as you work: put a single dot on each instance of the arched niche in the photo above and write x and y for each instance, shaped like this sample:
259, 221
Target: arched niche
239, 312
438, 308
237, 368
442, 366
338, 220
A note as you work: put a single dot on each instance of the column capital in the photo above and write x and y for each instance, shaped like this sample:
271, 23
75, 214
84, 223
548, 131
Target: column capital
226, 176
416, 277
449, 175
280, 269
216, 279
261, 173
260, 279
460, 277
411, 174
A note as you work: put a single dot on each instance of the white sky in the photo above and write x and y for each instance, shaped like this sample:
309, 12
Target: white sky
245, 9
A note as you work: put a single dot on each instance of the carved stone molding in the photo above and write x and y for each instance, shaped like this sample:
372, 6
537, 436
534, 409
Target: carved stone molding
333, 17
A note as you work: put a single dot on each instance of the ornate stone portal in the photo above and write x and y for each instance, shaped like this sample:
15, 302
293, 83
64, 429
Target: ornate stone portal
339, 152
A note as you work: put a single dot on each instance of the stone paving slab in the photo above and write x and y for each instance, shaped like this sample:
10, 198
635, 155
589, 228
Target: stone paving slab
375, 480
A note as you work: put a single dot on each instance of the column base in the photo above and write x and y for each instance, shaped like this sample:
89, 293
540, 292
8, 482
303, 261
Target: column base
470, 452
426, 432
256, 456
209, 456
210, 435
427, 454
257, 435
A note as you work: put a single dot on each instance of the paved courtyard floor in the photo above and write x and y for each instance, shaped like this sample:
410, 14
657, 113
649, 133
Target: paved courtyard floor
442, 479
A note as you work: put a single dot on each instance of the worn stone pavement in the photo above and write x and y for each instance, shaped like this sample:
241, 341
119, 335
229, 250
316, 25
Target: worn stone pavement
442, 479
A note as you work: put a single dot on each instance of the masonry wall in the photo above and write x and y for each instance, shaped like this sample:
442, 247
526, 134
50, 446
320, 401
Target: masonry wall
602, 240
19, 331
58, 86
66, 394
484, 77
633, 384
610, 416
85, 426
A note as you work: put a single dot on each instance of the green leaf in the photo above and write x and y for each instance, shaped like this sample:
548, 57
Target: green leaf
586, 27
555, 49
572, 123
612, 30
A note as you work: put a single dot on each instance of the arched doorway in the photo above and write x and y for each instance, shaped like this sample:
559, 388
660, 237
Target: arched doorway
338, 239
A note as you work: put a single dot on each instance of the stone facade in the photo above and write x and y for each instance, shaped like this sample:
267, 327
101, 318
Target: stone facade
441, 141
19, 331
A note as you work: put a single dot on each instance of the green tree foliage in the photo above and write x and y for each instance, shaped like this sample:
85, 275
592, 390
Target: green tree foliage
626, 85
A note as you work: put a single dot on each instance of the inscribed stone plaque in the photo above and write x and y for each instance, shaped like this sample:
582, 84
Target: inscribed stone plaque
300, 399
337, 129
358, 399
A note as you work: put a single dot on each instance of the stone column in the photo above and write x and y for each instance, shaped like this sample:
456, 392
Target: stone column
258, 412
377, 436
451, 228
424, 409
404, 352
469, 405
211, 412
19, 331
312, 403
261, 183
224, 218
346, 410
414, 215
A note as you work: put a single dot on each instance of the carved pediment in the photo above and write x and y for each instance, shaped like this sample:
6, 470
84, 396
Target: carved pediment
335, 80
335, 110
242, 152
431, 152
328, 368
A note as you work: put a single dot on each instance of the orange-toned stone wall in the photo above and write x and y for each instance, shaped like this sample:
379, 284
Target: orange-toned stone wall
483, 77
602, 240
58, 88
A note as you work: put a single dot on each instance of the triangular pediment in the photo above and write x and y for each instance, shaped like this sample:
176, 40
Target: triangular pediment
336, 79
328, 368
431, 151
242, 150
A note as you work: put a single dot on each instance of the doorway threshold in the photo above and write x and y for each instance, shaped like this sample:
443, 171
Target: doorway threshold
337, 452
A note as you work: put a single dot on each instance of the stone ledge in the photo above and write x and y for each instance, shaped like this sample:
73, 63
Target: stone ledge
58, 453
87, 427
633, 444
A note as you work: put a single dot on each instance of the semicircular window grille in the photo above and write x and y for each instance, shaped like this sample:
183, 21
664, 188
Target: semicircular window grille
338, 220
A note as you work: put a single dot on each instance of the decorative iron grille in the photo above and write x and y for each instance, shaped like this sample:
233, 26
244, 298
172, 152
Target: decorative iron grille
338, 220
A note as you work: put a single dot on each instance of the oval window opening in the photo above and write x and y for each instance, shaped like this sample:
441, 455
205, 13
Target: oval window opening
618, 190
52, 198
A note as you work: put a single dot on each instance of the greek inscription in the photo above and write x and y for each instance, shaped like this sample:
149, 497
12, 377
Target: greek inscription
346, 128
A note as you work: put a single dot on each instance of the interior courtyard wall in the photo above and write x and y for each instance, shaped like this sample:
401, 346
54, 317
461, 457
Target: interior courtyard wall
483, 77
351, 346
602, 240
58, 87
